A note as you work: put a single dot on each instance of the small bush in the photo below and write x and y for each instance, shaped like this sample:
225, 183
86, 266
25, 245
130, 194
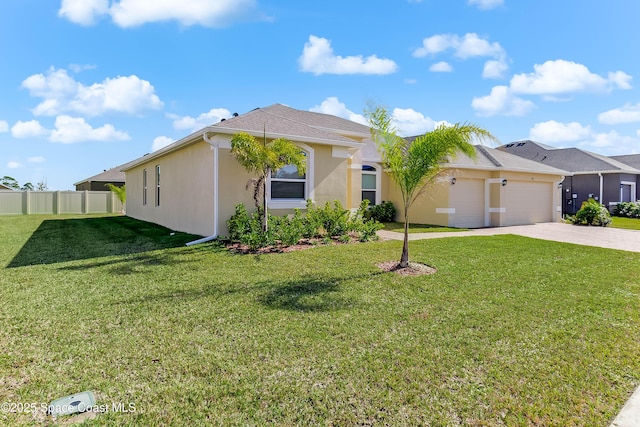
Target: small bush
592, 213
627, 209
384, 212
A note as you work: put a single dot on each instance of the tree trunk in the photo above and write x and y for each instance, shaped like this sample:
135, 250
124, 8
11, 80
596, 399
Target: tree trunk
404, 259
265, 214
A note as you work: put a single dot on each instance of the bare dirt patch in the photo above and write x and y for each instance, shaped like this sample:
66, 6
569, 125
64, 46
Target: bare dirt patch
413, 269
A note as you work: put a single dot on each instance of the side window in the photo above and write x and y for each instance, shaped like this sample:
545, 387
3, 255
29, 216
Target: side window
144, 186
157, 185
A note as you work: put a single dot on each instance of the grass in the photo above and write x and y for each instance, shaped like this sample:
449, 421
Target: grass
628, 223
509, 331
419, 228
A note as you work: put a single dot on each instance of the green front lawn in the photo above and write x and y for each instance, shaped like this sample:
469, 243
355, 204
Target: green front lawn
509, 331
419, 228
628, 223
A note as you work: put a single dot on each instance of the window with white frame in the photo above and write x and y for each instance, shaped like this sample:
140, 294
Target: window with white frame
287, 188
144, 186
157, 185
371, 184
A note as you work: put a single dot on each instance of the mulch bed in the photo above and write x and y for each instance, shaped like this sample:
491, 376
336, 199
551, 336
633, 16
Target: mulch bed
413, 269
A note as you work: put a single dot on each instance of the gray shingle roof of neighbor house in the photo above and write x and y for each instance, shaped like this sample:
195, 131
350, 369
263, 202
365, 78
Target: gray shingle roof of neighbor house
632, 160
570, 159
110, 175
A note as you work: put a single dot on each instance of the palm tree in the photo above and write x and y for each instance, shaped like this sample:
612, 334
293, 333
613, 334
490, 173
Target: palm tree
120, 192
262, 158
414, 165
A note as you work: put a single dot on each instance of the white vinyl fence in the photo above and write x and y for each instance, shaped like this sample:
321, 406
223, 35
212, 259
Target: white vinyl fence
58, 202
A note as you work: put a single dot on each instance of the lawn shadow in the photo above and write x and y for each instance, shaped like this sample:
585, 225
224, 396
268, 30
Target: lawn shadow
72, 239
303, 294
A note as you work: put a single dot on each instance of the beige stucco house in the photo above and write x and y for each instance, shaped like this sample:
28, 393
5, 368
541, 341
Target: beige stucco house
194, 184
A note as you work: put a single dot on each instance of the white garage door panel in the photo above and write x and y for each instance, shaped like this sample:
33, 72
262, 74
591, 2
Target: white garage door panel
467, 197
528, 202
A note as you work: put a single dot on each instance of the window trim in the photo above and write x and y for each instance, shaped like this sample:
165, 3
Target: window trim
308, 187
378, 176
144, 187
157, 185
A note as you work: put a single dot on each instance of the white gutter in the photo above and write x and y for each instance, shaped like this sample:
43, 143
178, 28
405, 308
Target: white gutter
205, 135
601, 185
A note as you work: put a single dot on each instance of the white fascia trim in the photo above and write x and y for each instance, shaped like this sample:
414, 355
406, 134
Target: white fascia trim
293, 138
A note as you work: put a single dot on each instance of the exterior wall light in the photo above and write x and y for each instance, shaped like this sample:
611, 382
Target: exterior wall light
453, 180
504, 182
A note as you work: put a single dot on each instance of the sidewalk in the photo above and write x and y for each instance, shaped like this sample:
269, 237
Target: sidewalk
604, 237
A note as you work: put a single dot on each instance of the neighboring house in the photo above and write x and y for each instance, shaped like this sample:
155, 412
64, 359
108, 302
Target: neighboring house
194, 184
5, 188
493, 190
628, 191
606, 179
99, 182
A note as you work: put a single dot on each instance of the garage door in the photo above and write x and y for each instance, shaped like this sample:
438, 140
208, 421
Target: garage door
467, 197
528, 202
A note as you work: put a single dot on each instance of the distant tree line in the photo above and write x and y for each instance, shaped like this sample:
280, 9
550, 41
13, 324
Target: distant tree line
11, 182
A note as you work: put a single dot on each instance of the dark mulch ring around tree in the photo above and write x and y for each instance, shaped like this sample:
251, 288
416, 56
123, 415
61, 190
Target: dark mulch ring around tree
413, 269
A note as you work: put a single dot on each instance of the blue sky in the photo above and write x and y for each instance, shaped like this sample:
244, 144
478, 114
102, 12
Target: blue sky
86, 85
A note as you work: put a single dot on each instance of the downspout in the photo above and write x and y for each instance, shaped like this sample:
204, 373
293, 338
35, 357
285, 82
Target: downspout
215, 194
601, 185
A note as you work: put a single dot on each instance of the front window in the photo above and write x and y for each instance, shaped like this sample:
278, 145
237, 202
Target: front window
370, 184
287, 183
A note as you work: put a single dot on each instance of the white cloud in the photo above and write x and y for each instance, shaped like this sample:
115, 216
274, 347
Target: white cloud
30, 129
83, 12
607, 143
14, 165
192, 124
161, 142
318, 58
561, 77
130, 13
69, 130
553, 131
36, 159
468, 46
441, 67
486, 4
61, 94
495, 69
626, 114
410, 122
4, 126
501, 101
334, 107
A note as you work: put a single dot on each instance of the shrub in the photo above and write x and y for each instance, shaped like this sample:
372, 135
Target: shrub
592, 213
326, 223
384, 212
627, 209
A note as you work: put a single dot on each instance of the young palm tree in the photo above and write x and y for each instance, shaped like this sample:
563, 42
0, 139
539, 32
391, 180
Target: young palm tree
262, 159
120, 192
413, 165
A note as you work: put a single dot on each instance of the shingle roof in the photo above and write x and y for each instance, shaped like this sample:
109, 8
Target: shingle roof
486, 158
570, 159
319, 120
275, 123
110, 175
632, 160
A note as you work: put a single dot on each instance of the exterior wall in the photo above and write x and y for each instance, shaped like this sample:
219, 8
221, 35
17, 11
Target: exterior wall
186, 190
187, 187
584, 185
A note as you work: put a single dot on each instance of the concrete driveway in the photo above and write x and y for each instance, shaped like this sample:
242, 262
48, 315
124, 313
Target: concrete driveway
604, 237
